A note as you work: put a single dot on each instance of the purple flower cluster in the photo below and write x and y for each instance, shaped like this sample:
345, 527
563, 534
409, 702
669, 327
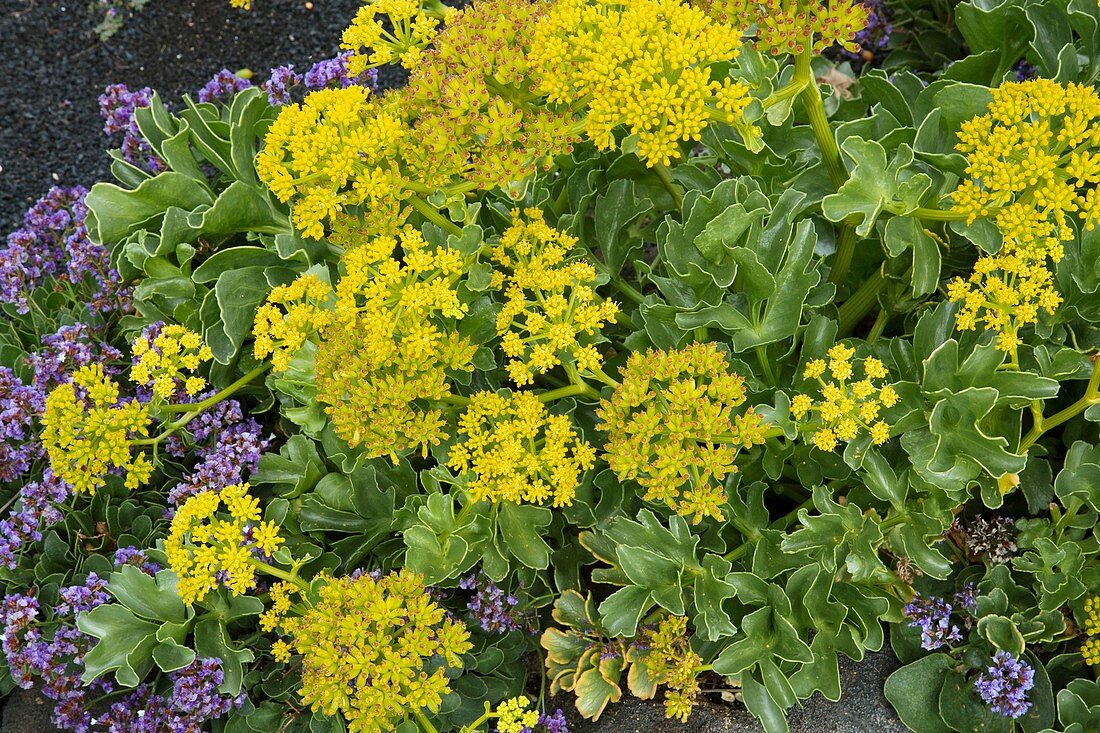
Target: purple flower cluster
53, 243
36, 509
328, 73
1004, 685
491, 607
1024, 70
57, 661
555, 723
932, 615
193, 701
227, 444
133, 556
19, 405
222, 86
68, 349
116, 107
77, 599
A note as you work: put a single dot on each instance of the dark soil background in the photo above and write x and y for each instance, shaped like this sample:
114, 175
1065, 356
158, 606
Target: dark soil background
54, 67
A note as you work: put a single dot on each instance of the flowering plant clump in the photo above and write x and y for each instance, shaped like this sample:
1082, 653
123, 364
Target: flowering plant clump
671, 427
628, 347
365, 644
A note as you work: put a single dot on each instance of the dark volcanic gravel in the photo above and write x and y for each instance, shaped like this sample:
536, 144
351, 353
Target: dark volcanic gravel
53, 69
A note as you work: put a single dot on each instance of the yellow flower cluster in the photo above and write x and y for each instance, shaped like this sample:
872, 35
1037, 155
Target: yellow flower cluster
290, 316
410, 30
203, 548
282, 595
674, 426
518, 451
469, 117
846, 406
515, 716
671, 661
87, 432
1033, 162
1090, 649
794, 26
552, 313
333, 151
1004, 294
385, 357
645, 65
163, 360
370, 650
479, 116
242, 4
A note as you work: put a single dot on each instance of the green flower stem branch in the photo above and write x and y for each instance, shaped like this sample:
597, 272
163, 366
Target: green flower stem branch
219, 396
862, 301
673, 188
937, 214
290, 576
195, 409
430, 213
810, 95
1043, 424
570, 390
425, 724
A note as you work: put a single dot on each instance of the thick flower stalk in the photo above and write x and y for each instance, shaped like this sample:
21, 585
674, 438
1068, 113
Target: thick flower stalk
88, 432
216, 539
376, 650
517, 451
552, 314
165, 358
1033, 162
291, 315
643, 65
675, 426
848, 407
384, 361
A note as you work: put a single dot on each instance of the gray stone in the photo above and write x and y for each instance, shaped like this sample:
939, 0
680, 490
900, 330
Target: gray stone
26, 712
862, 709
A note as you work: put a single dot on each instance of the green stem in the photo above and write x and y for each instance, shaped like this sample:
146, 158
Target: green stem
472, 727
569, 390
670, 185
819, 121
765, 364
938, 214
879, 326
218, 397
845, 252
430, 213
632, 293
424, 722
860, 304
1090, 398
279, 573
